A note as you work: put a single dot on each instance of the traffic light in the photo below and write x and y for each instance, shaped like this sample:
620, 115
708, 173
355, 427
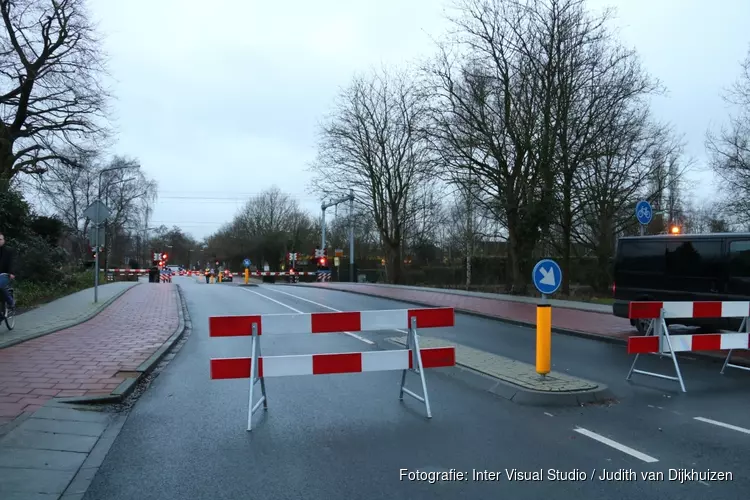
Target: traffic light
322, 262
163, 256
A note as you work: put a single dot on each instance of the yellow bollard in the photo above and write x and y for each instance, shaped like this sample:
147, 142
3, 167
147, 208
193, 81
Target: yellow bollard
247, 276
543, 338
211, 280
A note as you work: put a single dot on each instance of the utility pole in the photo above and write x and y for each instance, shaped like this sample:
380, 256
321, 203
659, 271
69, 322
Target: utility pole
323, 207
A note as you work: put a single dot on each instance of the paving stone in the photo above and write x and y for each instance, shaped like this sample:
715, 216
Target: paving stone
20, 438
65, 427
24, 458
65, 413
33, 481
509, 370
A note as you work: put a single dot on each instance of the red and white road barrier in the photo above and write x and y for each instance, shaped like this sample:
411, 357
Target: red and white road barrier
127, 270
165, 278
658, 340
280, 273
257, 366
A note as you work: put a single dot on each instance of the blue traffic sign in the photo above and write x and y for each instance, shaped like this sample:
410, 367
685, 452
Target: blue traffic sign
246, 263
547, 276
643, 212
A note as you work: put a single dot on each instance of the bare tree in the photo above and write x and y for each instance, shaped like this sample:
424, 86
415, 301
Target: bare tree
494, 114
612, 183
51, 100
730, 148
128, 193
374, 144
597, 81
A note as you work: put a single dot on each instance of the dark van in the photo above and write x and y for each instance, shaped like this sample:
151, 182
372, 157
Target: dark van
682, 267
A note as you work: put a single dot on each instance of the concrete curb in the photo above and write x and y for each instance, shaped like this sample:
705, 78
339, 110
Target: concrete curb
563, 331
129, 384
77, 322
515, 393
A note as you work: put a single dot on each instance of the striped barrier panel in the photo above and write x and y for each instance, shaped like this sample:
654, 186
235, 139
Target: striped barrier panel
659, 341
257, 367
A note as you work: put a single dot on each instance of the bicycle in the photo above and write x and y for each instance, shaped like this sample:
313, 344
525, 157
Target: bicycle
7, 314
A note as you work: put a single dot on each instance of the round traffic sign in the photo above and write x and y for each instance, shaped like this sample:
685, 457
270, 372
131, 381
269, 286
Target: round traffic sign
643, 212
547, 276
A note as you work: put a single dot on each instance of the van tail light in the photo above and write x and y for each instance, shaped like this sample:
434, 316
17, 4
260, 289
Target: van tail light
614, 287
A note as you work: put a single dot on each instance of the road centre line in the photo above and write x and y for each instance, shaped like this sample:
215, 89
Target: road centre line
353, 335
614, 444
722, 424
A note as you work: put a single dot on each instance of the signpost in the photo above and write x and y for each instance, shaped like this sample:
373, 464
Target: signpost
644, 213
97, 212
246, 263
547, 277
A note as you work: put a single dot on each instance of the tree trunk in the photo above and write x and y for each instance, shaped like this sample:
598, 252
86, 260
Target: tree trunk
393, 264
567, 222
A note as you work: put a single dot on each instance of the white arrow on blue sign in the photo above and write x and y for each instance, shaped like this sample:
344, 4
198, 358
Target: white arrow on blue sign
644, 212
246, 262
547, 276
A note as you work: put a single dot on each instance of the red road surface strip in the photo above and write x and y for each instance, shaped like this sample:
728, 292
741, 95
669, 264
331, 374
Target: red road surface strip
325, 364
83, 360
567, 319
329, 322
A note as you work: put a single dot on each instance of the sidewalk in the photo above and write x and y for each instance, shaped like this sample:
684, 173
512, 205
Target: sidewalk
87, 359
581, 319
62, 313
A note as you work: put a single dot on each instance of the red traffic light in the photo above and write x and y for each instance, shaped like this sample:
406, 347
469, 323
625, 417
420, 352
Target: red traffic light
322, 261
163, 256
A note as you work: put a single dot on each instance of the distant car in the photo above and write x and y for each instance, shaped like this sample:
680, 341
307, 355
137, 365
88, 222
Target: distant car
227, 275
173, 269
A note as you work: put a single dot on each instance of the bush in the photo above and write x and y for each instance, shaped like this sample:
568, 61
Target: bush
37, 260
31, 293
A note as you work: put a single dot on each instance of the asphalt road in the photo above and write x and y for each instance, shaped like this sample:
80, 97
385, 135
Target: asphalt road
348, 436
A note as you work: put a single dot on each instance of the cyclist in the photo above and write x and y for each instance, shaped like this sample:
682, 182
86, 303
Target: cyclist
7, 271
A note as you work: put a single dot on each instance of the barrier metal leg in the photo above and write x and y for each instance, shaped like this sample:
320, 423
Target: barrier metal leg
649, 332
412, 343
744, 328
254, 378
659, 328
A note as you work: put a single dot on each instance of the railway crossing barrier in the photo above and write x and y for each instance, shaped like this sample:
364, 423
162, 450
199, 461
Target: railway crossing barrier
257, 367
659, 341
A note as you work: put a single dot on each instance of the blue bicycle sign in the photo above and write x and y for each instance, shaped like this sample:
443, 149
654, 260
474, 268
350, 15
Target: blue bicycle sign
644, 212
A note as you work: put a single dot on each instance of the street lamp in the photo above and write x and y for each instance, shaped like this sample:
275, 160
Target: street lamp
98, 207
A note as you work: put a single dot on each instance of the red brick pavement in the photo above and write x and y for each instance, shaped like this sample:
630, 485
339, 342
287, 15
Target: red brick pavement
83, 360
587, 322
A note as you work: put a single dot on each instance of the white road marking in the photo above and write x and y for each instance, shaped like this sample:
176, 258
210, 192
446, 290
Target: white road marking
722, 424
548, 414
354, 335
614, 444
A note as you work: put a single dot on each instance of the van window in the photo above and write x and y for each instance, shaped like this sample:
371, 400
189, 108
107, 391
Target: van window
739, 258
700, 259
642, 256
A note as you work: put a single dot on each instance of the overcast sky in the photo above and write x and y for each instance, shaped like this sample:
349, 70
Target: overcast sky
220, 100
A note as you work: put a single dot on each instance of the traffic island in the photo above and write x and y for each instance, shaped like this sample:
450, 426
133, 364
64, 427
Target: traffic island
516, 381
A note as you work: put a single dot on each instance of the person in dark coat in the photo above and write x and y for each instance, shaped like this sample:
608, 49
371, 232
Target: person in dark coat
7, 270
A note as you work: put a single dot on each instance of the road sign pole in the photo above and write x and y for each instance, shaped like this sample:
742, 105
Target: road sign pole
351, 237
96, 265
